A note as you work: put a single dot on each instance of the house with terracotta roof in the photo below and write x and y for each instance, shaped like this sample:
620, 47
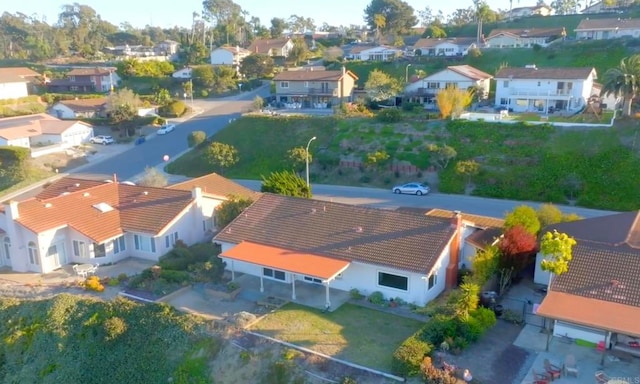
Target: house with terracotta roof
459, 76
17, 82
371, 53
75, 220
85, 79
602, 29
523, 38
536, 10
598, 298
544, 90
73, 109
43, 133
454, 46
615, 6
407, 255
313, 88
272, 47
226, 55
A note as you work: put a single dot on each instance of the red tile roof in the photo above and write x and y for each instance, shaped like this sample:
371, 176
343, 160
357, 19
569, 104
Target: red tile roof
533, 32
65, 186
33, 125
90, 72
264, 46
217, 186
304, 75
134, 208
373, 236
85, 105
477, 221
469, 72
607, 24
305, 264
19, 71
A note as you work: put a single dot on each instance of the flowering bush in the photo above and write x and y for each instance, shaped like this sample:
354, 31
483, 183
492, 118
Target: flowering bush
93, 284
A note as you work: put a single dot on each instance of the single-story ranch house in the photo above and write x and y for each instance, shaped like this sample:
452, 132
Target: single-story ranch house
411, 255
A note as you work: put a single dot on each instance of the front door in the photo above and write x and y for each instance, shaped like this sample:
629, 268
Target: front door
5, 259
57, 254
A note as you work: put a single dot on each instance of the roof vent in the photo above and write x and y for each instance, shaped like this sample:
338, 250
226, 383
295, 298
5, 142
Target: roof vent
145, 193
313, 210
324, 208
48, 205
65, 193
617, 284
359, 229
77, 185
86, 194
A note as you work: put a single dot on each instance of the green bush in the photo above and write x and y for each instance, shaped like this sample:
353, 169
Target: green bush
196, 138
178, 259
409, 355
204, 93
176, 108
376, 298
177, 277
409, 107
355, 294
390, 115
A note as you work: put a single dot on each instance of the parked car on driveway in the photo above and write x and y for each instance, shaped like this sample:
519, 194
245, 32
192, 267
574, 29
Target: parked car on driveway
166, 129
412, 188
102, 139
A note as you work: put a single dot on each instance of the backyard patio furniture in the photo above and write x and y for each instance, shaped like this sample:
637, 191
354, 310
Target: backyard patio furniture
540, 378
552, 370
83, 270
601, 377
570, 367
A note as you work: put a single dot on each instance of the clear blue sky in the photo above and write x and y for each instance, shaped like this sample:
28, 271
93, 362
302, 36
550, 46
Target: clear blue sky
165, 13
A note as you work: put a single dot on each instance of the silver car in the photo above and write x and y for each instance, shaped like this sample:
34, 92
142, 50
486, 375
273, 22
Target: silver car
412, 188
166, 129
102, 139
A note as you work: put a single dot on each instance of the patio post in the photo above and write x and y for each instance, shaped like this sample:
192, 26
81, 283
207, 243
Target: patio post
261, 284
233, 272
293, 286
328, 301
548, 331
607, 336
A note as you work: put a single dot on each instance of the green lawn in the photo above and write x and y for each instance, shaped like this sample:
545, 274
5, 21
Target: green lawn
33, 176
353, 333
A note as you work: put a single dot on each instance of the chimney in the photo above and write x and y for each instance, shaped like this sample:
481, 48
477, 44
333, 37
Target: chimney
196, 193
13, 210
454, 251
344, 70
115, 178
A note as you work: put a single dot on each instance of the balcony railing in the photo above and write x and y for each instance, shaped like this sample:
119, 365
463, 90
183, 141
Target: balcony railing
320, 91
529, 92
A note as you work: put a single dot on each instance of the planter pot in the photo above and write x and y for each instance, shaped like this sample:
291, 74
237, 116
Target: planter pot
498, 309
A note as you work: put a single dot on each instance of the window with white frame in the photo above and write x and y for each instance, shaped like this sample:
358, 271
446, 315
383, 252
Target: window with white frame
433, 280
80, 249
52, 251
144, 243
306, 84
99, 250
451, 85
119, 245
433, 85
391, 280
504, 101
7, 248
170, 239
284, 84
505, 84
273, 273
33, 253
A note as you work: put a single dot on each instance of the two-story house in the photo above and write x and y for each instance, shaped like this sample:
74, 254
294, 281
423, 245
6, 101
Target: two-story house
86, 80
272, 47
459, 76
75, 220
544, 90
315, 88
455, 46
536, 10
602, 29
607, 6
523, 38
231, 56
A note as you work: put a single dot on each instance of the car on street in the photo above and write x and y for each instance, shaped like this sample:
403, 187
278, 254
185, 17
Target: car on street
412, 189
166, 129
102, 139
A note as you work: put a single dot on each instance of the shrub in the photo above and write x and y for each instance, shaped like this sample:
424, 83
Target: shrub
348, 380
435, 375
409, 355
113, 282
196, 138
93, 284
376, 298
355, 294
204, 93
390, 115
114, 327
485, 317
409, 107
176, 108
178, 259
232, 286
177, 277
123, 277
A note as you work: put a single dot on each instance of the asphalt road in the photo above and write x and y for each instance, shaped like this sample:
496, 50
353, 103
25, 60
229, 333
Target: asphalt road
132, 162
384, 198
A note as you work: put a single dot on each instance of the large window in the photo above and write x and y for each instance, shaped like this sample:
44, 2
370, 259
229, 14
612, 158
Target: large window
144, 243
273, 273
393, 281
284, 84
119, 245
99, 250
7, 248
433, 280
80, 249
170, 239
33, 253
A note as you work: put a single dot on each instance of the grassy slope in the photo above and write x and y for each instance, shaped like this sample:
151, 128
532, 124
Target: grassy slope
70, 339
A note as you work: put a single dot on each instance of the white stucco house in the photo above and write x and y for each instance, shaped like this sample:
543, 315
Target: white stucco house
231, 56
598, 298
95, 221
460, 76
602, 29
533, 89
272, 47
13, 87
73, 109
43, 133
409, 255
379, 53
455, 46
536, 10
523, 38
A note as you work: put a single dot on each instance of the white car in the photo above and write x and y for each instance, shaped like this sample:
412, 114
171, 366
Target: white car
102, 139
166, 129
412, 188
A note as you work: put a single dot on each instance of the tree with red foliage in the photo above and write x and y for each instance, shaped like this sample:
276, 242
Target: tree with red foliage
517, 247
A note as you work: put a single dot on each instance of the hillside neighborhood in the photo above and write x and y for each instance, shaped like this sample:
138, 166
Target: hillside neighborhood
415, 197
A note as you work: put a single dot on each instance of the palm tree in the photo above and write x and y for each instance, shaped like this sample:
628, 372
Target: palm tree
624, 81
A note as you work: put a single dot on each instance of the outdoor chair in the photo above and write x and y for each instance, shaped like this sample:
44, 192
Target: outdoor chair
552, 370
79, 273
94, 269
570, 366
601, 377
540, 378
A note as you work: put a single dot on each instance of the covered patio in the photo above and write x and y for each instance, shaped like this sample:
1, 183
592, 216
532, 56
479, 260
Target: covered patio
294, 276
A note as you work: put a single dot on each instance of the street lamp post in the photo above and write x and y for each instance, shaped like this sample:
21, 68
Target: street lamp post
406, 73
307, 158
